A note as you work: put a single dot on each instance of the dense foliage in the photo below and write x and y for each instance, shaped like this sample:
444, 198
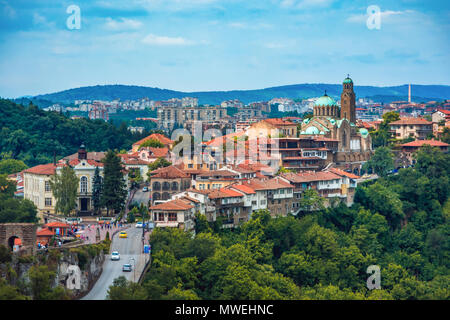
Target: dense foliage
33, 135
114, 192
400, 223
14, 209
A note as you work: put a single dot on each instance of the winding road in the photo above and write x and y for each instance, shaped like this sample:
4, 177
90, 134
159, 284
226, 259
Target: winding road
129, 248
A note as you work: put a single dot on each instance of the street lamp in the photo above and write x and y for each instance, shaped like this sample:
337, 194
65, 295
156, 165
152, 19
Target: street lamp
134, 269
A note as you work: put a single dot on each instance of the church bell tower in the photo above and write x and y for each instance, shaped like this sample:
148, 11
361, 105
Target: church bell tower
348, 101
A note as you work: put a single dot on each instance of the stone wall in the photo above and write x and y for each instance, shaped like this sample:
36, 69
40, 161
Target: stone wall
25, 231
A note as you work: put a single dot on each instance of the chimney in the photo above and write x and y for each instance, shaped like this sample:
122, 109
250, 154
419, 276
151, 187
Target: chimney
409, 93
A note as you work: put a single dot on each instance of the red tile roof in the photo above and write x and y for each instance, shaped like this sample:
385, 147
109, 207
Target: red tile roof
310, 176
408, 121
170, 172
157, 136
173, 205
44, 232
243, 188
57, 225
98, 156
44, 169
279, 122
223, 193
420, 143
344, 173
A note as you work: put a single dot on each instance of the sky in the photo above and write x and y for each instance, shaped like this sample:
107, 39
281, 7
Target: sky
206, 45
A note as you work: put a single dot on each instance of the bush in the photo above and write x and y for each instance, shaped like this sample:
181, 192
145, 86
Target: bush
5, 254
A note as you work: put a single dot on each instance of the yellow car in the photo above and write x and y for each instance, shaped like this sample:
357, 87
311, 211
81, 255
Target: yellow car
123, 234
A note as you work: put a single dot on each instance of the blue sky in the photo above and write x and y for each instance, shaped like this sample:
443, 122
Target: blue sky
203, 45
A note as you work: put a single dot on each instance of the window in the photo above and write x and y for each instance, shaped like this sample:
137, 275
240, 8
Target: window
83, 184
190, 165
161, 216
156, 185
48, 202
47, 186
172, 216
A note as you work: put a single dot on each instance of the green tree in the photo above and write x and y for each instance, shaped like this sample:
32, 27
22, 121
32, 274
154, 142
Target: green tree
122, 289
9, 166
381, 162
158, 163
97, 190
114, 186
41, 282
153, 143
311, 201
65, 189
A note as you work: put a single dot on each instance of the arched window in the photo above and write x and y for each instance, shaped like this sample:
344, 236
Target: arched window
156, 185
174, 186
166, 185
83, 184
165, 196
156, 196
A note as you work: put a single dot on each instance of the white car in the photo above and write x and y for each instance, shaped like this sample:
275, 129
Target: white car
139, 225
145, 189
115, 255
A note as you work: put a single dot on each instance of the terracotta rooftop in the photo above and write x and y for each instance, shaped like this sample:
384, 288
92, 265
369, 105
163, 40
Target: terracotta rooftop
170, 172
220, 173
279, 122
44, 232
44, 169
157, 136
344, 173
420, 143
57, 225
173, 205
223, 193
243, 188
407, 121
97, 156
310, 176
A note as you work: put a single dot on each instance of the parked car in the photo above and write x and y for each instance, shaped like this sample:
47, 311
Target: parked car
145, 189
139, 225
126, 267
115, 255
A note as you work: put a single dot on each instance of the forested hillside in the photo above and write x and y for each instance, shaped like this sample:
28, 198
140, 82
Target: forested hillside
33, 135
400, 223
297, 91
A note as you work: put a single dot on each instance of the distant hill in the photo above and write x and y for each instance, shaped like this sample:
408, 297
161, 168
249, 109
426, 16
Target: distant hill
124, 92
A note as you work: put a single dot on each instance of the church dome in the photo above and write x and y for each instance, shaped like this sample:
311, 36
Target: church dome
325, 101
348, 80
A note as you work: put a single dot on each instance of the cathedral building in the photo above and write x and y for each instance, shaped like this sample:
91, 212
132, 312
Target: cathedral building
354, 145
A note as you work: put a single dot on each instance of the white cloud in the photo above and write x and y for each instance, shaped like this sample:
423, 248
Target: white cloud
152, 39
238, 25
41, 20
385, 16
300, 4
8, 10
122, 24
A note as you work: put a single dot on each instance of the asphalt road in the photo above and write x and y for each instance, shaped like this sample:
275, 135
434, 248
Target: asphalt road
141, 197
128, 248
